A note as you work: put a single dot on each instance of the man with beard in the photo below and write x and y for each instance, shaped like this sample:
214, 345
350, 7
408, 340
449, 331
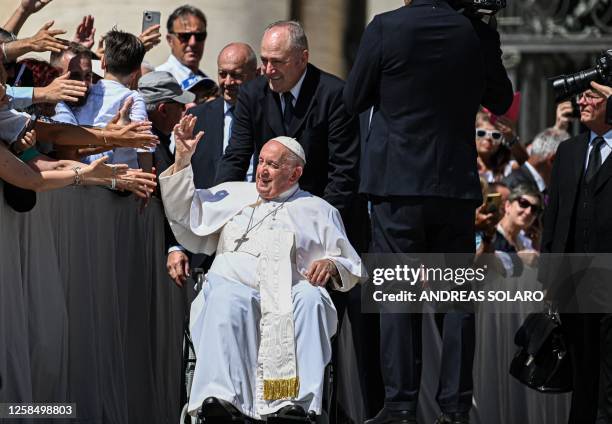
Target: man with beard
75, 60
123, 55
21, 97
236, 65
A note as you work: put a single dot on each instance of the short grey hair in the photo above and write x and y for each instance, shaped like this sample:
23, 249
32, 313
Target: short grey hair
297, 36
546, 143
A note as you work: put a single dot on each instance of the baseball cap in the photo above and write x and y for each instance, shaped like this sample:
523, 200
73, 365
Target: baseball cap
196, 80
158, 86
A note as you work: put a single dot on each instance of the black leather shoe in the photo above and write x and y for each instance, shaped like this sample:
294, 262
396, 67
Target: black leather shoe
291, 411
389, 416
291, 414
220, 411
455, 418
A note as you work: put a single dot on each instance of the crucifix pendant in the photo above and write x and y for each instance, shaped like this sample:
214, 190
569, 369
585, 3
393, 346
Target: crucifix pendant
240, 241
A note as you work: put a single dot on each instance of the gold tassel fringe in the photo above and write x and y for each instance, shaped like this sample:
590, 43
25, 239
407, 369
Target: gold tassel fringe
281, 389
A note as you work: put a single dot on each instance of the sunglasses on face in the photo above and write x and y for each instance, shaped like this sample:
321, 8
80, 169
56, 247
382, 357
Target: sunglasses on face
524, 204
184, 37
482, 133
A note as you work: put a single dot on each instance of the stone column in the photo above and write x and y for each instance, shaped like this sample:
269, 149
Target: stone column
324, 23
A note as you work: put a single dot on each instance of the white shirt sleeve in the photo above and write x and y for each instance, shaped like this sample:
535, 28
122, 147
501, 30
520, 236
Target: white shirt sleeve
138, 113
64, 114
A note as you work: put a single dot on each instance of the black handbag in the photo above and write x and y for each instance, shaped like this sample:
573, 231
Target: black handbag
542, 362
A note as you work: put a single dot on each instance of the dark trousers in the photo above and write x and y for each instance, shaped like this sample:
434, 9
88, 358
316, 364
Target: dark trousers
589, 338
425, 225
364, 327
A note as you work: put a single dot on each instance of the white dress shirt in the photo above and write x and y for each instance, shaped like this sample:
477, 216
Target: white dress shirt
295, 92
536, 176
179, 71
605, 148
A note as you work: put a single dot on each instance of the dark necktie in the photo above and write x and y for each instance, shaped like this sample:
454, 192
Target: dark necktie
594, 159
288, 112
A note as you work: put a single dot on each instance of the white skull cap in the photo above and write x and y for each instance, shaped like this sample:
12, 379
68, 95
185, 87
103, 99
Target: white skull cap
293, 145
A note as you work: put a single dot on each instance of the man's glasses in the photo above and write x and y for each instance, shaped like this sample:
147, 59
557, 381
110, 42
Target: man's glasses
184, 37
591, 99
524, 204
482, 133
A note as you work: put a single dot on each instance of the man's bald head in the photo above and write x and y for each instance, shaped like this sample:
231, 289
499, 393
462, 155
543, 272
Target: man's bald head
278, 170
236, 64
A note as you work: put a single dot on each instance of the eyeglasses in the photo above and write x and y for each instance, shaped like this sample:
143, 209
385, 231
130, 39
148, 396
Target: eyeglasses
591, 99
184, 37
524, 204
482, 133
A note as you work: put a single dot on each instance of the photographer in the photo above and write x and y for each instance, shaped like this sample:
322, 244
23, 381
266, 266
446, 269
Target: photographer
577, 221
423, 199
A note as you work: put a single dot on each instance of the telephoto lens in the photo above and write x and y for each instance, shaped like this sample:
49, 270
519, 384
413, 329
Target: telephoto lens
566, 86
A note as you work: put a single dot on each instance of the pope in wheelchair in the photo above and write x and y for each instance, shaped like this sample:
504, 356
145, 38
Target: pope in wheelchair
262, 323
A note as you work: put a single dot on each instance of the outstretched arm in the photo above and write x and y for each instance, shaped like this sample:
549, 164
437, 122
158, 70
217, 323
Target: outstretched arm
22, 13
16, 172
186, 142
43, 41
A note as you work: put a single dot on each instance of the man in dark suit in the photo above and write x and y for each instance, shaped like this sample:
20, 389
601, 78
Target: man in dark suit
297, 99
236, 65
537, 169
577, 220
426, 69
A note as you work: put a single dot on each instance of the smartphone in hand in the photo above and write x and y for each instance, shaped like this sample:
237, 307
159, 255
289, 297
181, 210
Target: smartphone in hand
150, 18
493, 203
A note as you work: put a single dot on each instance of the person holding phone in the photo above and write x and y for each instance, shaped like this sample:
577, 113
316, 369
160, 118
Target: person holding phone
522, 209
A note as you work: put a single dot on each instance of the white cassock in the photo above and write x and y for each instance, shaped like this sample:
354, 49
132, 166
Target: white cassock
261, 331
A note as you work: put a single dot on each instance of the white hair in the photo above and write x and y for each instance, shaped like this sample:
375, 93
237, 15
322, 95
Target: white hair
546, 143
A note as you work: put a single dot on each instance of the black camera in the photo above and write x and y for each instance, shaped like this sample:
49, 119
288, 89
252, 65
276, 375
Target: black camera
479, 7
566, 86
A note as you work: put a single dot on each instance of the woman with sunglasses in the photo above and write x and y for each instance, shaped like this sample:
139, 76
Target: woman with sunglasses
522, 210
492, 146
